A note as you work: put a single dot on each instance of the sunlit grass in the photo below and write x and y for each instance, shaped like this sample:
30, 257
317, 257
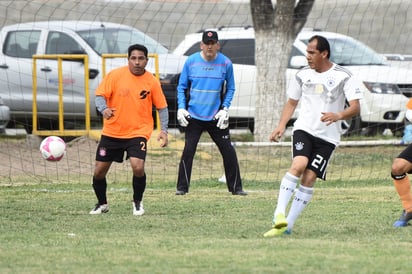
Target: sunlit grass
347, 228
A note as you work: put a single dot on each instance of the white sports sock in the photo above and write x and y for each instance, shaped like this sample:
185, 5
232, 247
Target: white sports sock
302, 198
287, 187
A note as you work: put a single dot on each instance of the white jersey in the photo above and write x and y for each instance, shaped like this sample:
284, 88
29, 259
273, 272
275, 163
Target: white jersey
322, 92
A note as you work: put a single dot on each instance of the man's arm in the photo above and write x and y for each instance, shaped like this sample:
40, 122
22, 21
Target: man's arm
287, 112
347, 113
164, 120
230, 87
182, 87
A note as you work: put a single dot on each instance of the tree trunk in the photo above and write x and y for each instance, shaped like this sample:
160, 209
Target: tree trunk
275, 31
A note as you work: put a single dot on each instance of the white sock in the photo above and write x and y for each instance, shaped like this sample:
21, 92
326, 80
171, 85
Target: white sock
302, 198
287, 187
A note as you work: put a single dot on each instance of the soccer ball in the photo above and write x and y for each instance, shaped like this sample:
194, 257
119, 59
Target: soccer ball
53, 148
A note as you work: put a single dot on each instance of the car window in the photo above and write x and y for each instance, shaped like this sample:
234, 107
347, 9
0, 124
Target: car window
194, 48
22, 44
116, 41
350, 52
61, 43
240, 51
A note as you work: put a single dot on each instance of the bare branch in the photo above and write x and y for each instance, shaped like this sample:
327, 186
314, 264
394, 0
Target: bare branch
301, 13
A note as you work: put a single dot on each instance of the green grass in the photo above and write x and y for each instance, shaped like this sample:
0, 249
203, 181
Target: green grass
347, 228
45, 226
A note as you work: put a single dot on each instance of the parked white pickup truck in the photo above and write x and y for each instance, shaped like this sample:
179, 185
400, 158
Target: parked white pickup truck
20, 42
4, 116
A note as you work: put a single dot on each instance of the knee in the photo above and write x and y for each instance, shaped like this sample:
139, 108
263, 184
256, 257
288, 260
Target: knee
100, 170
298, 172
398, 168
396, 172
138, 172
99, 175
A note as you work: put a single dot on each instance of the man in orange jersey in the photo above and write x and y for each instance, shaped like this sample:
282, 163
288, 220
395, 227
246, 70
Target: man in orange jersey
125, 98
400, 166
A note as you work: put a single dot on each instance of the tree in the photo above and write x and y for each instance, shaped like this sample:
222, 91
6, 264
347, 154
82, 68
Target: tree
276, 27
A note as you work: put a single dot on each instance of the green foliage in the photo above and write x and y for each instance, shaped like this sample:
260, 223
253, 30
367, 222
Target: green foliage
347, 228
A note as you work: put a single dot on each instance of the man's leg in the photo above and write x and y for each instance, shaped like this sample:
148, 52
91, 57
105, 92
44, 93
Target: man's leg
192, 136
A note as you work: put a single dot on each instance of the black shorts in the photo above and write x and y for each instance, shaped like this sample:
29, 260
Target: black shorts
113, 149
406, 154
317, 150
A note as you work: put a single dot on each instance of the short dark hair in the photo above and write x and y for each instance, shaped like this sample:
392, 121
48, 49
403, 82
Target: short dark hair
322, 45
137, 47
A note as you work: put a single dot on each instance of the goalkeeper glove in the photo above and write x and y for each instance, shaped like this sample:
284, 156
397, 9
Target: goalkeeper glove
183, 117
222, 118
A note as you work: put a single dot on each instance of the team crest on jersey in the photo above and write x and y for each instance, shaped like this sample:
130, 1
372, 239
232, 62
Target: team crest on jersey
330, 82
102, 152
299, 146
144, 94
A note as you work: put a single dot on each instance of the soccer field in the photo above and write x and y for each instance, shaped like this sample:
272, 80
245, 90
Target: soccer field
347, 228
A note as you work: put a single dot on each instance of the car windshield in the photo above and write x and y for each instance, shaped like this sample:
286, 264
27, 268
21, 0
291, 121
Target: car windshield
118, 40
350, 52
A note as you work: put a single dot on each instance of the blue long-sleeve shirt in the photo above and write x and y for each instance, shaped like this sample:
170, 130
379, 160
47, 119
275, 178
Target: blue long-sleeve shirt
206, 80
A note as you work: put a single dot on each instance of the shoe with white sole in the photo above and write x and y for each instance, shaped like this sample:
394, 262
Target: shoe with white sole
138, 209
99, 209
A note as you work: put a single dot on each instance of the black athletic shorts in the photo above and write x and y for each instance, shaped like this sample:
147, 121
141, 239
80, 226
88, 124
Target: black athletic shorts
113, 149
317, 150
407, 155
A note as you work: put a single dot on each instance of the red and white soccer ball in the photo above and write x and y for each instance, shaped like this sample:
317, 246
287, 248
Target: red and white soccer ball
53, 148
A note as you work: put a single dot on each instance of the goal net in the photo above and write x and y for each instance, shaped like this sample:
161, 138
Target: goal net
384, 26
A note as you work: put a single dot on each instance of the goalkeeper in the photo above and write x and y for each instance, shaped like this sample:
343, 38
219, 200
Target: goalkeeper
402, 165
204, 94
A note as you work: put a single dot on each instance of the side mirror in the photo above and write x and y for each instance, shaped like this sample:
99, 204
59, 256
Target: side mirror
298, 62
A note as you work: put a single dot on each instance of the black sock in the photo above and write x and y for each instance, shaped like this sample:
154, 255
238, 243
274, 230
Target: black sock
100, 187
139, 186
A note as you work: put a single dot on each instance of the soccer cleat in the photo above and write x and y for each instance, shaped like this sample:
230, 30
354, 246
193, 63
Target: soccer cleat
222, 179
138, 209
404, 219
180, 192
99, 209
280, 221
274, 232
239, 192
